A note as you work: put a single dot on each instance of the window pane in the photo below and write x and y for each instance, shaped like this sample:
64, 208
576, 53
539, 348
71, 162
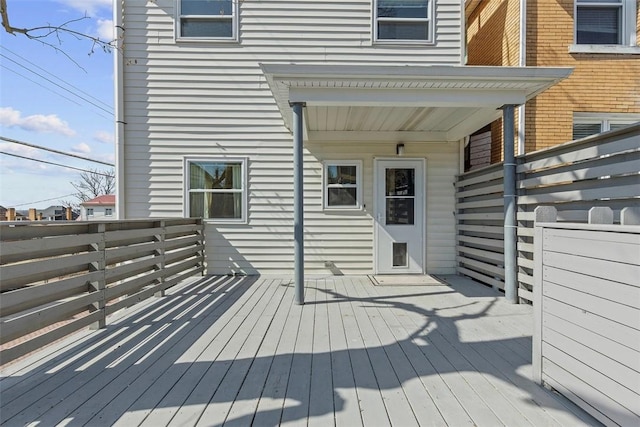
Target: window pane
221, 28
614, 126
582, 130
599, 25
400, 212
400, 182
341, 197
207, 7
341, 175
402, 8
403, 30
400, 255
219, 175
215, 205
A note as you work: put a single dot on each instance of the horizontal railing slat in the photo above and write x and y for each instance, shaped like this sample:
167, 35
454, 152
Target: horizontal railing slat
126, 261
33, 296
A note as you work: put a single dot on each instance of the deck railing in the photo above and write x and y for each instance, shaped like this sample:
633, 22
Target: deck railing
598, 171
56, 278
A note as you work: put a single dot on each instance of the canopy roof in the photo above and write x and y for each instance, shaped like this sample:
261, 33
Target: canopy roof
402, 103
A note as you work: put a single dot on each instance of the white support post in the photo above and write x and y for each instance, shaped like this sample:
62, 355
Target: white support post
542, 214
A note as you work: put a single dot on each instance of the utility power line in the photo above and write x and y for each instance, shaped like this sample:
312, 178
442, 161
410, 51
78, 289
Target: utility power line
52, 163
15, 141
57, 78
51, 90
56, 84
45, 200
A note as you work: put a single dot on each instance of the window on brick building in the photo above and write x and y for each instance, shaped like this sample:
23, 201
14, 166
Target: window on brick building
605, 22
587, 124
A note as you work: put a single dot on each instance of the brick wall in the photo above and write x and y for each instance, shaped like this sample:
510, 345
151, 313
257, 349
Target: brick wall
493, 38
607, 83
599, 82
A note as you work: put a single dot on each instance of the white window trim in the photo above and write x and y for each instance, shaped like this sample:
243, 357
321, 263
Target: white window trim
234, 25
430, 22
107, 213
629, 36
90, 212
359, 187
244, 187
605, 119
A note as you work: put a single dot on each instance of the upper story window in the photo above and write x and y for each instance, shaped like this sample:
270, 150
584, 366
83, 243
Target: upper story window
108, 212
403, 20
605, 22
217, 189
208, 19
89, 211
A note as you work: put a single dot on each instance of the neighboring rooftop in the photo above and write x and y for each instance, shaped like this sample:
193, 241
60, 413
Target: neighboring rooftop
108, 199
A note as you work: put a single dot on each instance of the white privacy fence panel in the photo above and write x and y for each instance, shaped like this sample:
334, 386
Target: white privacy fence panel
602, 170
586, 342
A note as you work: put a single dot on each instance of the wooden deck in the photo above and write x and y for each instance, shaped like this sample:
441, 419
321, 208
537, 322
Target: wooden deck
238, 352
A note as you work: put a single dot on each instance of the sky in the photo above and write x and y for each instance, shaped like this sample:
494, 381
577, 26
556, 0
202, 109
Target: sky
62, 101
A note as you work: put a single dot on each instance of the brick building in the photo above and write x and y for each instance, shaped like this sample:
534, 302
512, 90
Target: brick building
601, 46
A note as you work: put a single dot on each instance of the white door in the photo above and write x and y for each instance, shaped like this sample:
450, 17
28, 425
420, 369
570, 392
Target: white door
399, 216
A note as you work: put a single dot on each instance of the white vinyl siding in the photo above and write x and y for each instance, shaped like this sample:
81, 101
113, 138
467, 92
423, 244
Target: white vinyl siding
212, 100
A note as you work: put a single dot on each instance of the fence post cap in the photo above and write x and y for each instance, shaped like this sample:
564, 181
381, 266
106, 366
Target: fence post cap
545, 214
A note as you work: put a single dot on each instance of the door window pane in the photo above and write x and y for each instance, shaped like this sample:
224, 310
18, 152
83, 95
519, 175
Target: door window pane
400, 182
400, 211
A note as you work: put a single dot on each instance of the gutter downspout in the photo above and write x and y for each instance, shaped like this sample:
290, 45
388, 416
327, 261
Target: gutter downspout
522, 62
118, 65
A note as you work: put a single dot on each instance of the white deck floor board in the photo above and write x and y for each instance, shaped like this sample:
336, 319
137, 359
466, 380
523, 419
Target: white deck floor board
244, 406
272, 399
321, 409
345, 397
369, 395
239, 351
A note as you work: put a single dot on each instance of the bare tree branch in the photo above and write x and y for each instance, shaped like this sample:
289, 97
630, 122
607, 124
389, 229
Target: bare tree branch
41, 33
94, 183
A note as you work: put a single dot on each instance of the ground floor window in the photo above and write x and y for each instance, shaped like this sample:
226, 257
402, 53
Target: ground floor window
587, 124
216, 189
342, 187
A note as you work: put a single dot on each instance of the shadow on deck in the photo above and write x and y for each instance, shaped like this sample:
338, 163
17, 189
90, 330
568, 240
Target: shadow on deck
237, 351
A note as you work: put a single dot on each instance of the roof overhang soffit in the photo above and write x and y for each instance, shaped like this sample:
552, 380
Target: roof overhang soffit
417, 103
